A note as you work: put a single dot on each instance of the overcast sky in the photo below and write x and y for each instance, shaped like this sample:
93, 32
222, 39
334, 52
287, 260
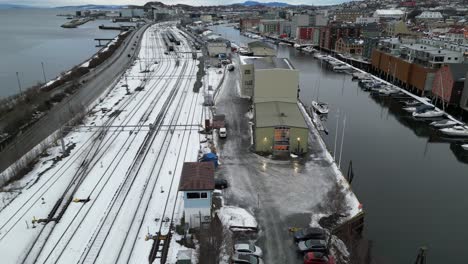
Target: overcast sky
141, 2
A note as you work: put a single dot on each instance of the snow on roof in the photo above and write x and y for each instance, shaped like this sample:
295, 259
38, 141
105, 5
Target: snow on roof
237, 219
428, 14
389, 12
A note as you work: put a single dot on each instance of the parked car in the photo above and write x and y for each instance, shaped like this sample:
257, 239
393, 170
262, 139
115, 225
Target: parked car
309, 233
247, 248
314, 245
246, 259
221, 184
222, 132
318, 258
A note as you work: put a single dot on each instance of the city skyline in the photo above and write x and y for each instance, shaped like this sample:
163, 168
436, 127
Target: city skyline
55, 3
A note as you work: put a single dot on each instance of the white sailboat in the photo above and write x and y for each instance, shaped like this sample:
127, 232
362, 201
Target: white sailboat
456, 131
464, 146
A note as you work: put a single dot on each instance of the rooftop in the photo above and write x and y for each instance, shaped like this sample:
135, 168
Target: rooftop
270, 114
261, 63
197, 176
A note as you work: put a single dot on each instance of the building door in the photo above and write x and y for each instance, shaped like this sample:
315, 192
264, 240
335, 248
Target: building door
281, 142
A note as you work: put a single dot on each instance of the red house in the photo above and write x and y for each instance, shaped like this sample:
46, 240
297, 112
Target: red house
449, 82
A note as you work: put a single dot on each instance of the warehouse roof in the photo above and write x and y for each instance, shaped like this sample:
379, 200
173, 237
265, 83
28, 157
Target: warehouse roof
270, 114
197, 176
267, 62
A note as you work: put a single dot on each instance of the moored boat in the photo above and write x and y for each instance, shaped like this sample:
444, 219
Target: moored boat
320, 107
455, 131
464, 146
443, 123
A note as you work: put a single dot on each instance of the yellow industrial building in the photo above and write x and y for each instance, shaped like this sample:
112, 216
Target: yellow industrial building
272, 83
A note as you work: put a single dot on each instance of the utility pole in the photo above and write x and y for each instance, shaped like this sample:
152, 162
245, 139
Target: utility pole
43, 72
19, 83
342, 141
336, 133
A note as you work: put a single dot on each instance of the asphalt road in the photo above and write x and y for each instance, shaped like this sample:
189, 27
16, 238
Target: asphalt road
281, 194
97, 81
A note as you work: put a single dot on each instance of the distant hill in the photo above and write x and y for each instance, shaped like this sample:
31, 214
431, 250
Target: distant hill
14, 6
93, 7
270, 4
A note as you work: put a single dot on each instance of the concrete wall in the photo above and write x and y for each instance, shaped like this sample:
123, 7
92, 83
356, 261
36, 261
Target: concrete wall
264, 139
194, 208
247, 79
276, 85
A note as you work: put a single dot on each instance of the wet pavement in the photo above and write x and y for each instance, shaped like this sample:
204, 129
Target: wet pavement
281, 193
411, 181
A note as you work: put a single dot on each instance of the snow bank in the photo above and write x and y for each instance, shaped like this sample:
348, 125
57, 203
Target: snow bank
237, 219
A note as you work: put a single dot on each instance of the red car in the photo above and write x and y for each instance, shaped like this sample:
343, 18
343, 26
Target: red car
318, 258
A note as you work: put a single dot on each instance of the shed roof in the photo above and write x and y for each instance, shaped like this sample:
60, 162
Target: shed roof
270, 114
197, 176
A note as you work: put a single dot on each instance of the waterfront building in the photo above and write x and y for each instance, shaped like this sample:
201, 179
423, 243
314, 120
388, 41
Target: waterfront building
449, 83
216, 46
331, 33
279, 126
428, 16
197, 184
349, 46
367, 20
249, 24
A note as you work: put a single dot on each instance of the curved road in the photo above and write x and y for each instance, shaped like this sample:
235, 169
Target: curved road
97, 81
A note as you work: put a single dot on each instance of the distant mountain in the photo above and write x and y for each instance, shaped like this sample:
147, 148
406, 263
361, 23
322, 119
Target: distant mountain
270, 4
93, 7
13, 6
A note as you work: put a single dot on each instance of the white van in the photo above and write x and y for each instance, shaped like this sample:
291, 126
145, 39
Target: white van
222, 132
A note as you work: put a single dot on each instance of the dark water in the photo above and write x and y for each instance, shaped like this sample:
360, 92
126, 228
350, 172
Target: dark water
32, 36
413, 185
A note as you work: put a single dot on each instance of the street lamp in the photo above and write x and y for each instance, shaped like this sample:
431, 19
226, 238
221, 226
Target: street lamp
298, 144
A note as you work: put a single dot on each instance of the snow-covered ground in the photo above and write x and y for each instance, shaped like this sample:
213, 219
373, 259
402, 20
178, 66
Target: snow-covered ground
126, 157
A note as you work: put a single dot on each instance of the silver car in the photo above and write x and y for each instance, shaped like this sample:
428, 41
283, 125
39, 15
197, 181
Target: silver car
246, 259
246, 248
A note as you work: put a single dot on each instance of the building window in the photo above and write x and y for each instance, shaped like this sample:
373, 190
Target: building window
204, 195
449, 58
247, 72
193, 195
250, 82
456, 58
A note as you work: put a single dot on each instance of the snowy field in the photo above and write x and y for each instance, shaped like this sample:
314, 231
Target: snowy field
126, 158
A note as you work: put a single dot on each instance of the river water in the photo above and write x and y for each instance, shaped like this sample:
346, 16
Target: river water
32, 36
411, 182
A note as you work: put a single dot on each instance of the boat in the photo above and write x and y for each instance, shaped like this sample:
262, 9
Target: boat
412, 103
429, 113
418, 108
388, 91
456, 131
320, 56
341, 68
360, 76
443, 123
464, 146
309, 49
320, 107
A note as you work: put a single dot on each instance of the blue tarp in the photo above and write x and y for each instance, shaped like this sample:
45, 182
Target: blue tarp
211, 157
